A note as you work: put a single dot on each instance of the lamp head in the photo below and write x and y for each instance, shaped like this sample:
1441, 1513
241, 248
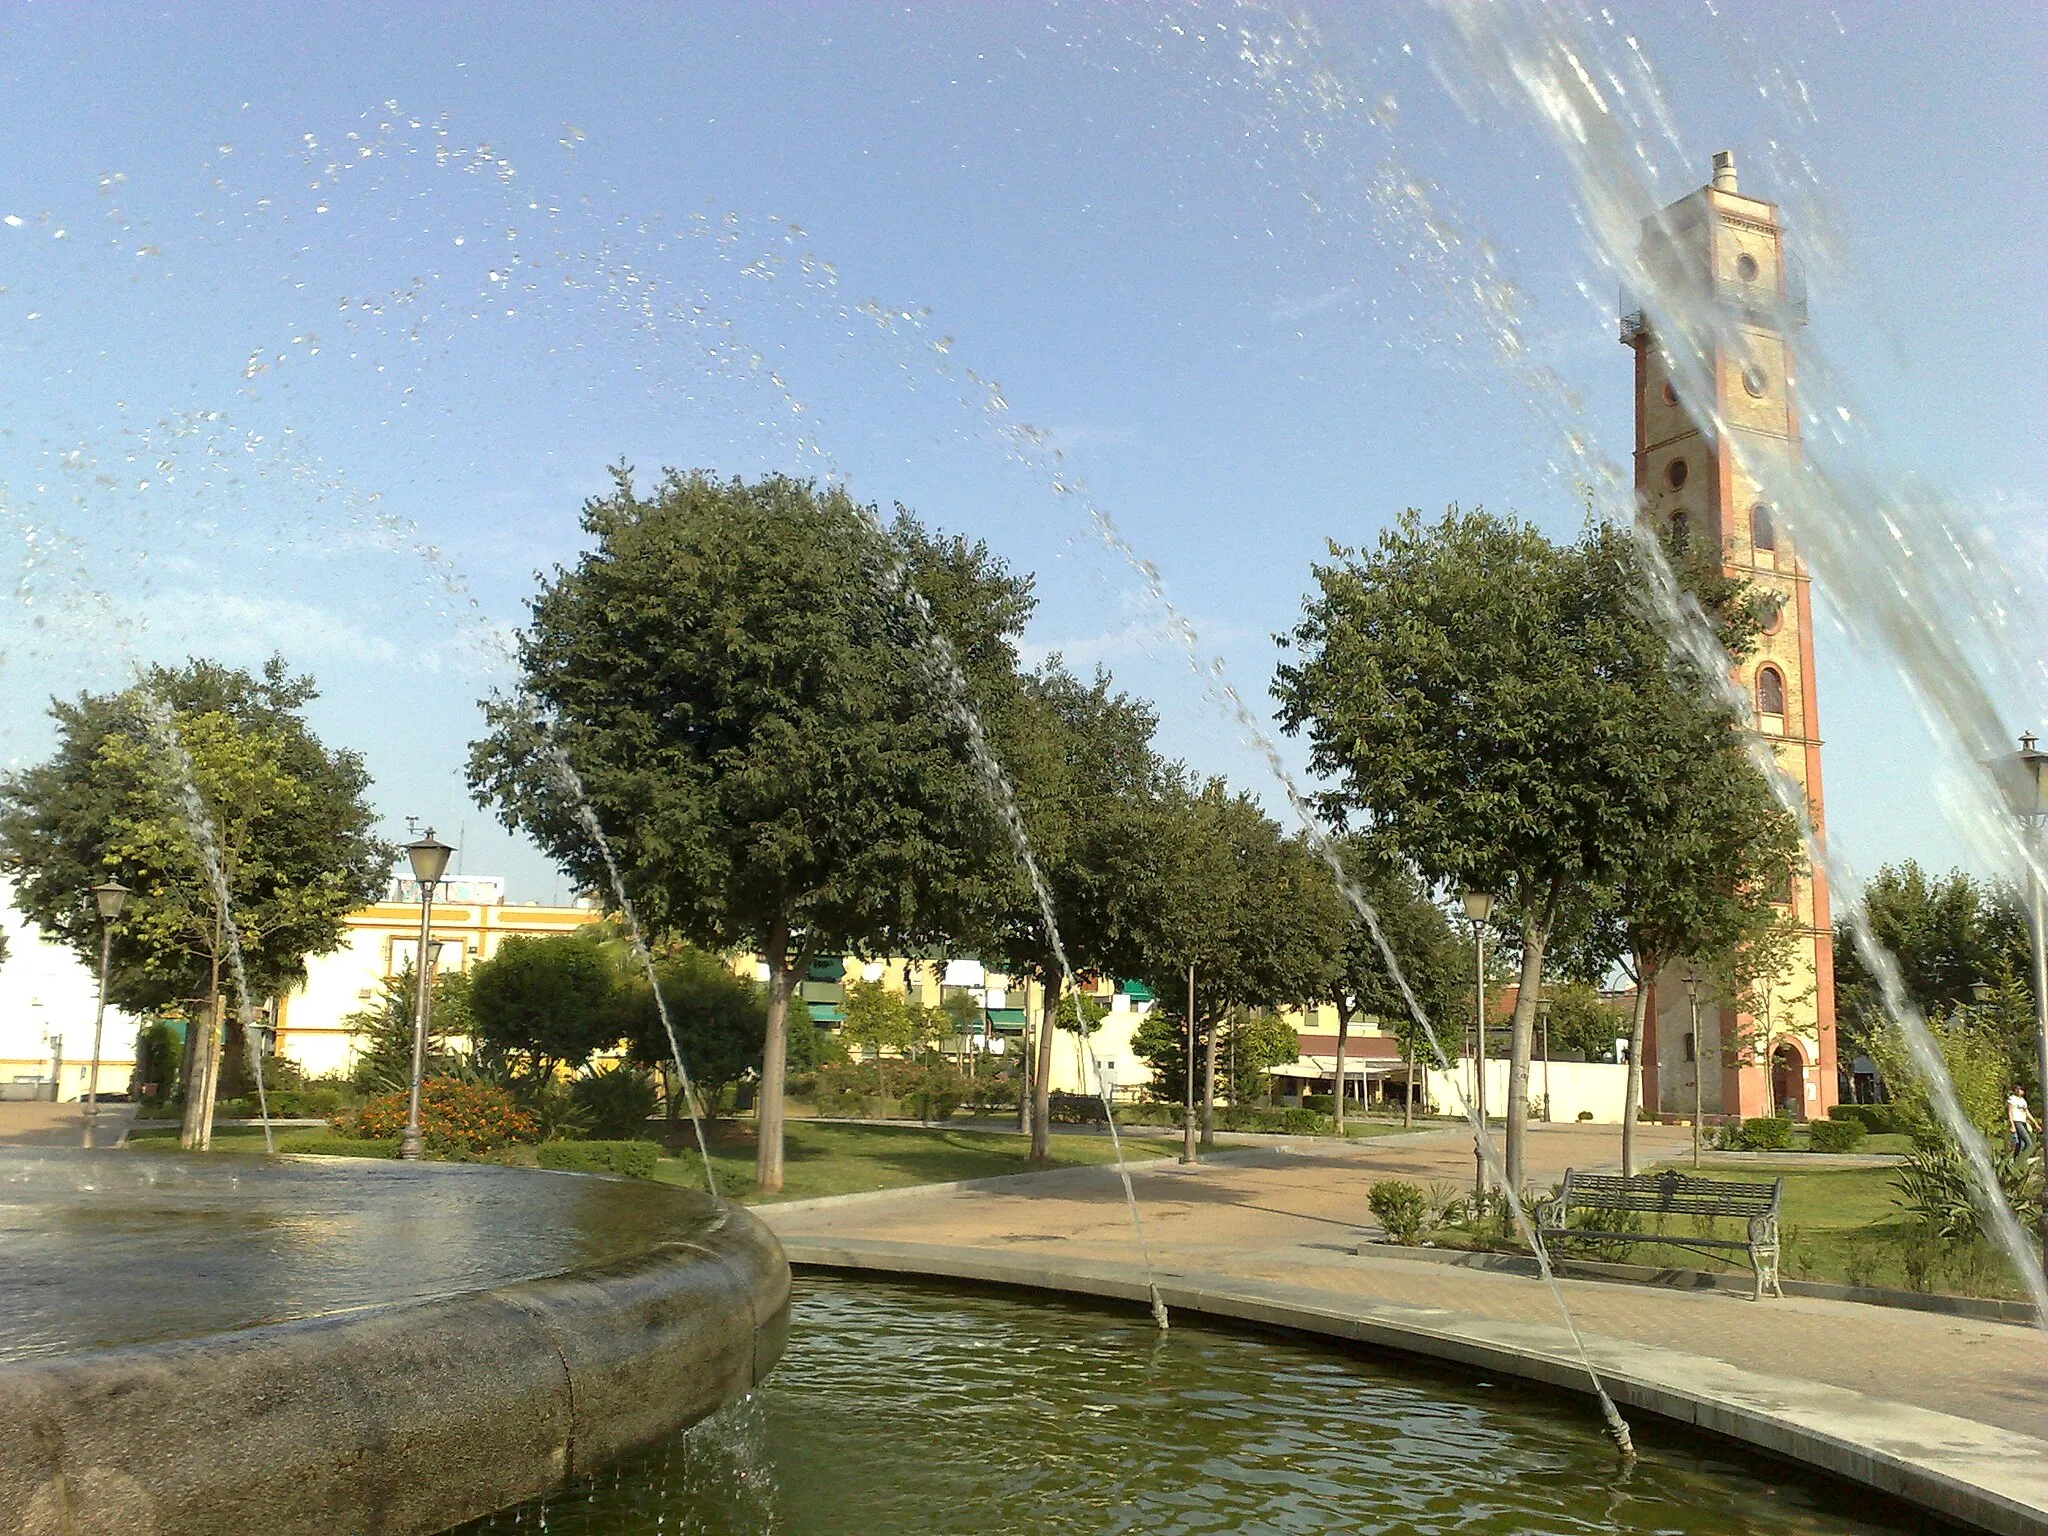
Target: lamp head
429, 856
110, 896
1478, 905
1983, 991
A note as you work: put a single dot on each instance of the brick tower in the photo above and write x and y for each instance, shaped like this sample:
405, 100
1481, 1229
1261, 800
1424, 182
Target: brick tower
1733, 247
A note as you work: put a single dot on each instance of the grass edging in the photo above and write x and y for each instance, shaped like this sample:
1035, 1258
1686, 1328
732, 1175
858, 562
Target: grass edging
1982, 1308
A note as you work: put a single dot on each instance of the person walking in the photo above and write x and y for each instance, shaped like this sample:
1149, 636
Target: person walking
2019, 1120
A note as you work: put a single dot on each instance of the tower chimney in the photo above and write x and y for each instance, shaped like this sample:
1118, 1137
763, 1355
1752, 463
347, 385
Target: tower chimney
1724, 170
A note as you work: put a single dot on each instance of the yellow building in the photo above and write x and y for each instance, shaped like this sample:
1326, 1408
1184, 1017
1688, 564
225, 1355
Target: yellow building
1731, 247
471, 919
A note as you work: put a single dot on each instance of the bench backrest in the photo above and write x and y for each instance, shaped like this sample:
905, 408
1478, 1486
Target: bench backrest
1672, 1191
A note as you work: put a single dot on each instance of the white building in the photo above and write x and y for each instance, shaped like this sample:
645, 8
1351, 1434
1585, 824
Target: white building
47, 998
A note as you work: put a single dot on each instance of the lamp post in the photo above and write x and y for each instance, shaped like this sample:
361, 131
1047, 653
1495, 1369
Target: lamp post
1692, 1005
429, 858
1543, 1013
1478, 908
2030, 801
110, 896
1187, 1130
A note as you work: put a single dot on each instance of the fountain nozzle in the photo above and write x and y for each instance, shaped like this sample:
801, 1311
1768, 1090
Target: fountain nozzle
1724, 170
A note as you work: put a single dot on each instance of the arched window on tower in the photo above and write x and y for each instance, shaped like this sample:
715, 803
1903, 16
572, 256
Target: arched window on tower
1770, 699
1763, 534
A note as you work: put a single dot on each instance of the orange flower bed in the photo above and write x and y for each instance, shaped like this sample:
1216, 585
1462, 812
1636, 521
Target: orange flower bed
455, 1117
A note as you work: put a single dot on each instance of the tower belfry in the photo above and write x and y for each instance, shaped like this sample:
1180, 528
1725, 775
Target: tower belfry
1695, 463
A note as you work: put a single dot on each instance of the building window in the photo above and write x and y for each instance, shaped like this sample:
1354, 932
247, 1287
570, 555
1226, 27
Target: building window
1675, 473
1753, 381
1746, 267
1688, 1047
1770, 692
1763, 528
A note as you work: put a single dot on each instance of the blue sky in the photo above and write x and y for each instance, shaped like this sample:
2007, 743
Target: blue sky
317, 329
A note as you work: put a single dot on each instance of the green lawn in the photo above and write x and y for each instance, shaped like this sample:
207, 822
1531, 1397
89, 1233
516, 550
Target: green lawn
840, 1159
1846, 1225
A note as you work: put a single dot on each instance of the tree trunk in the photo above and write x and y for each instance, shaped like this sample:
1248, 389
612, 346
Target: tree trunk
216, 1030
189, 1063
783, 981
1041, 1087
1632, 1099
1343, 1036
1209, 1086
1535, 935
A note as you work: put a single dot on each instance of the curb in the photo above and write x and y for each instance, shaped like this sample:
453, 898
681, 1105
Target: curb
1990, 1478
1982, 1308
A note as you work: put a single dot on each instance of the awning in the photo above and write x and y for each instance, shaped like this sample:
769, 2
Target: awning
1136, 991
1006, 1021
1312, 1067
825, 1013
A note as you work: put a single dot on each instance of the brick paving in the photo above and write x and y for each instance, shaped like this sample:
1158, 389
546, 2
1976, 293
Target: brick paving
1293, 1215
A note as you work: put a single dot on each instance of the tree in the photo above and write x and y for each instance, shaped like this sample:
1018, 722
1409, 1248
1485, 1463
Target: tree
142, 781
1228, 899
1256, 1041
382, 1033
1714, 848
546, 1003
1949, 933
1465, 683
1431, 958
879, 1018
720, 1020
1087, 782
745, 677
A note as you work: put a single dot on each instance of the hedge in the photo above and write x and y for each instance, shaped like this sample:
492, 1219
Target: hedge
1832, 1135
322, 1144
633, 1159
1767, 1133
1878, 1119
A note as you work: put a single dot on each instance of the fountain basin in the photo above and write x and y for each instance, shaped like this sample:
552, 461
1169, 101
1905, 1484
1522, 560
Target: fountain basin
326, 1376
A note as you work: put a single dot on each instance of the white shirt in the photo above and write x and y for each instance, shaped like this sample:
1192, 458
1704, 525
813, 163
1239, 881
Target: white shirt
2016, 1109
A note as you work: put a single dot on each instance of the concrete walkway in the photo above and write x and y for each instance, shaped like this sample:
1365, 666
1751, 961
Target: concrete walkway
1950, 1411
61, 1125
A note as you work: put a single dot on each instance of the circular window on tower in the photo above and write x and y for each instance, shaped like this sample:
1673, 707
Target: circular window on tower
1771, 612
1753, 380
1675, 473
1746, 267
1670, 394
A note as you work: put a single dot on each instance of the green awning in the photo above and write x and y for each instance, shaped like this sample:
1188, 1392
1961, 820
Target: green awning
825, 1013
1006, 1021
1136, 991
827, 968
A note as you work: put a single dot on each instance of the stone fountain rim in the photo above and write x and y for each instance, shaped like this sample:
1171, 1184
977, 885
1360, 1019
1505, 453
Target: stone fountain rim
397, 1418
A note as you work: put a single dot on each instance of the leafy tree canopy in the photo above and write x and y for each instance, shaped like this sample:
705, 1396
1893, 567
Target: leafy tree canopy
720, 1019
546, 1002
289, 818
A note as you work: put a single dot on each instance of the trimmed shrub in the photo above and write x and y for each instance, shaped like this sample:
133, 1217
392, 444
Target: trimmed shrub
617, 1103
1767, 1133
1835, 1135
1301, 1122
325, 1144
1878, 1119
1585, 1114
456, 1118
1401, 1208
629, 1159
1321, 1103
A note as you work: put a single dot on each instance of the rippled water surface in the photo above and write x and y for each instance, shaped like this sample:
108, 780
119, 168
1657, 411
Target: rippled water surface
108, 1248
904, 1410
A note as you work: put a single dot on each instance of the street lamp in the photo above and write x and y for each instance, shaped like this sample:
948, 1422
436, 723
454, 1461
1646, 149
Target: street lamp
2028, 791
1478, 908
1692, 1005
429, 858
109, 896
1543, 1013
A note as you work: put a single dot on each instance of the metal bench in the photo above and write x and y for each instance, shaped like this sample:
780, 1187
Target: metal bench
1670, 1193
